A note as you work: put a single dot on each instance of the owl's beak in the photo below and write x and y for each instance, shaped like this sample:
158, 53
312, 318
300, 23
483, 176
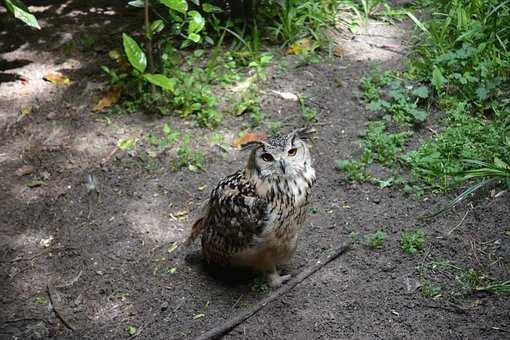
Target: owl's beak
283, 165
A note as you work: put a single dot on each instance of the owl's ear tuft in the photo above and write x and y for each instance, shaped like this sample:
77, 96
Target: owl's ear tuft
251, 145
304, 133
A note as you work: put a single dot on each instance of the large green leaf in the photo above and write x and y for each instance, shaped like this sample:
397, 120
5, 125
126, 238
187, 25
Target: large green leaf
134, 53
161, 81
21, 12
177, 5
196, 23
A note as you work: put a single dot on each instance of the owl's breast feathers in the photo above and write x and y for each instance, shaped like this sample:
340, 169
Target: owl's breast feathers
244, 211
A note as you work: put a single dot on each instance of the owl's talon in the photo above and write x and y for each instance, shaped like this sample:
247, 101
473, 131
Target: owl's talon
276, 280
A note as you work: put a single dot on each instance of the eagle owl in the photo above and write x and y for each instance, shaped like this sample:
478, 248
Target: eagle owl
253, 216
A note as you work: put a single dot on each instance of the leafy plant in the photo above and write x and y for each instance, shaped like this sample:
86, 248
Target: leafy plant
260, 285
296, 19
21, 12
309, 114
385, 147
412, 241
375, 240
429, 290
186, 157
356, 171
485, 174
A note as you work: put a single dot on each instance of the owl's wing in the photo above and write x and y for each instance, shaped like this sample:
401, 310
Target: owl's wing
236, 213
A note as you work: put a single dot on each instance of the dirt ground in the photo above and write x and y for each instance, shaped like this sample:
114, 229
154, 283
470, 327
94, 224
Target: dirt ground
105, 262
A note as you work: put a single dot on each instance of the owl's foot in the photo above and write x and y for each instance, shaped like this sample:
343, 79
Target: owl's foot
276, 280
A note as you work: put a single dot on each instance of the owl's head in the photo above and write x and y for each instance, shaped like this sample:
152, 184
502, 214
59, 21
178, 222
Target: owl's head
286, 155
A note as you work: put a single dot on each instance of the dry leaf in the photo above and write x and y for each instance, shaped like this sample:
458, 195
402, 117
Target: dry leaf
286, 95
249, 137
25, 110
300, 45
110, 98
57, 79
244, 85
178, 215
339, 51
24, 170
114, 54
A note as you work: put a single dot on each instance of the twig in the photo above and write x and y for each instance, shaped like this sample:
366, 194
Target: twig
71, 282
58, 313
460, 223
450, 308
230, 324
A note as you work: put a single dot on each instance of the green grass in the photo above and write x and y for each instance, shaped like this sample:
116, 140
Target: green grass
458, 280
460, 71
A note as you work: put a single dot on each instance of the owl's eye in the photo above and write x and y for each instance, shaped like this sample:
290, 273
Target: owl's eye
267, 157
292, 152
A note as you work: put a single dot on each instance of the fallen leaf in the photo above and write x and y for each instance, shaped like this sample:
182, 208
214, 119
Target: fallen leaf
339, 51
111, 97
286, 95
24, 170
35, 183
25, 110
249, 137
114, 54
126, 144
300, 45
178, 214
202, 188
198, 316
173, 247
244, 85
57, 79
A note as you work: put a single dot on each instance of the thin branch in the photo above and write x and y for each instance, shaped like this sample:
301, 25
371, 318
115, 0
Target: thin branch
460, 223
230, 324
58, 313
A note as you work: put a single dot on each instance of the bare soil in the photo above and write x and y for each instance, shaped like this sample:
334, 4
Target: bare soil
104, 262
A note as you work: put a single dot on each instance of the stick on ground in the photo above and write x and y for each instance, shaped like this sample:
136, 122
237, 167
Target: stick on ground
56, 309
230, 324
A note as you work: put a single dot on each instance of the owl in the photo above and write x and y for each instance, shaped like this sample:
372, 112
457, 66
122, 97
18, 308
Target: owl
253, 217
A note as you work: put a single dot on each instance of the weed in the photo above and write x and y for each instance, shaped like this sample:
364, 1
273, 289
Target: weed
250, 104
309, 114
296, 19
385, 147
356, 171
186, 157
429, 290
151, 164
412, 241
260, 285
498, 287
375, 240
274, 127
394, 97
355, 237
467, 280
40, 300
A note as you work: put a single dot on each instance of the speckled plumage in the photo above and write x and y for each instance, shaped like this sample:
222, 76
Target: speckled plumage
253, 216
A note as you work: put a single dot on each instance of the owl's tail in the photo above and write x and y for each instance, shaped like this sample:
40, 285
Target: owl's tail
196, 230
